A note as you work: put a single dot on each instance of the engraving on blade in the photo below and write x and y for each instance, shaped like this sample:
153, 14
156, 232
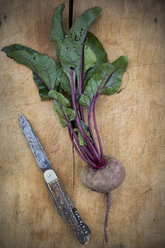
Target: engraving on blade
34, 144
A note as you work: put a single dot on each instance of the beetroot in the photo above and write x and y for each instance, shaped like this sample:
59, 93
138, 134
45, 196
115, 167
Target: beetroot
106, 179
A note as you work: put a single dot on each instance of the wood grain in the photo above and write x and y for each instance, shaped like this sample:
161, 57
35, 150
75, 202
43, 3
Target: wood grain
131, 124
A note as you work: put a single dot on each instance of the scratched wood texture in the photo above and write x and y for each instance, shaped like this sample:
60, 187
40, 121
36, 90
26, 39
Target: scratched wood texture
131, 124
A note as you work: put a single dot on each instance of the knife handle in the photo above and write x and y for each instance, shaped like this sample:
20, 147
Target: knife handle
66, 207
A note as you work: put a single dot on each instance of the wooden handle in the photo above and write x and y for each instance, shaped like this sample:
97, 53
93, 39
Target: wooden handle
68, 210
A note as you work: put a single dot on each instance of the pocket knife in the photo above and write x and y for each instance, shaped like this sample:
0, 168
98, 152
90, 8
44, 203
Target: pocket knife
56, 190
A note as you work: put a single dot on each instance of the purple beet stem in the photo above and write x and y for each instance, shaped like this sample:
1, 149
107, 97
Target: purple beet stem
82, 151
79, 153
90, 145
81, 82
95, 125
93, 104
90, 152
90, 126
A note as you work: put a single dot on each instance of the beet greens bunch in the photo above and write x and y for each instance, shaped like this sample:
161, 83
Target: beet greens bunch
80, 76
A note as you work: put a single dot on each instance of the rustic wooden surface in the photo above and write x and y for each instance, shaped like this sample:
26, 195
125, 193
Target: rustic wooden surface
131, 124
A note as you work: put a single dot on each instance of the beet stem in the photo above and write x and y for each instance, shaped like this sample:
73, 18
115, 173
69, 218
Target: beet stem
79, 150
81, 82
95, 126
106, 215
76, 148
92, 148
94, 119
71, 134
90, 126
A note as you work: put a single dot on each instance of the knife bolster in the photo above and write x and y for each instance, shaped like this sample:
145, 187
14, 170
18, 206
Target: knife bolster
50, 176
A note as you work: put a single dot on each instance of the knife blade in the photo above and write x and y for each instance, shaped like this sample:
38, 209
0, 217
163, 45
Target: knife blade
57, 191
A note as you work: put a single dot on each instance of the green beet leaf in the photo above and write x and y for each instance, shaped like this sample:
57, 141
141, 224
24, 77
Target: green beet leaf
86, 129
65, 84
57, 33
89, 58
72, 45
16, 47
97, 48
45, 68
120, 66
80, 137
61, 106
69, 114
43, 90
113, 74
95, 51
97, 81
59, 97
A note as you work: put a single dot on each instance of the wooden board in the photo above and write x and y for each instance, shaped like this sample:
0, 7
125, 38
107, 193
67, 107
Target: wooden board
131, 124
